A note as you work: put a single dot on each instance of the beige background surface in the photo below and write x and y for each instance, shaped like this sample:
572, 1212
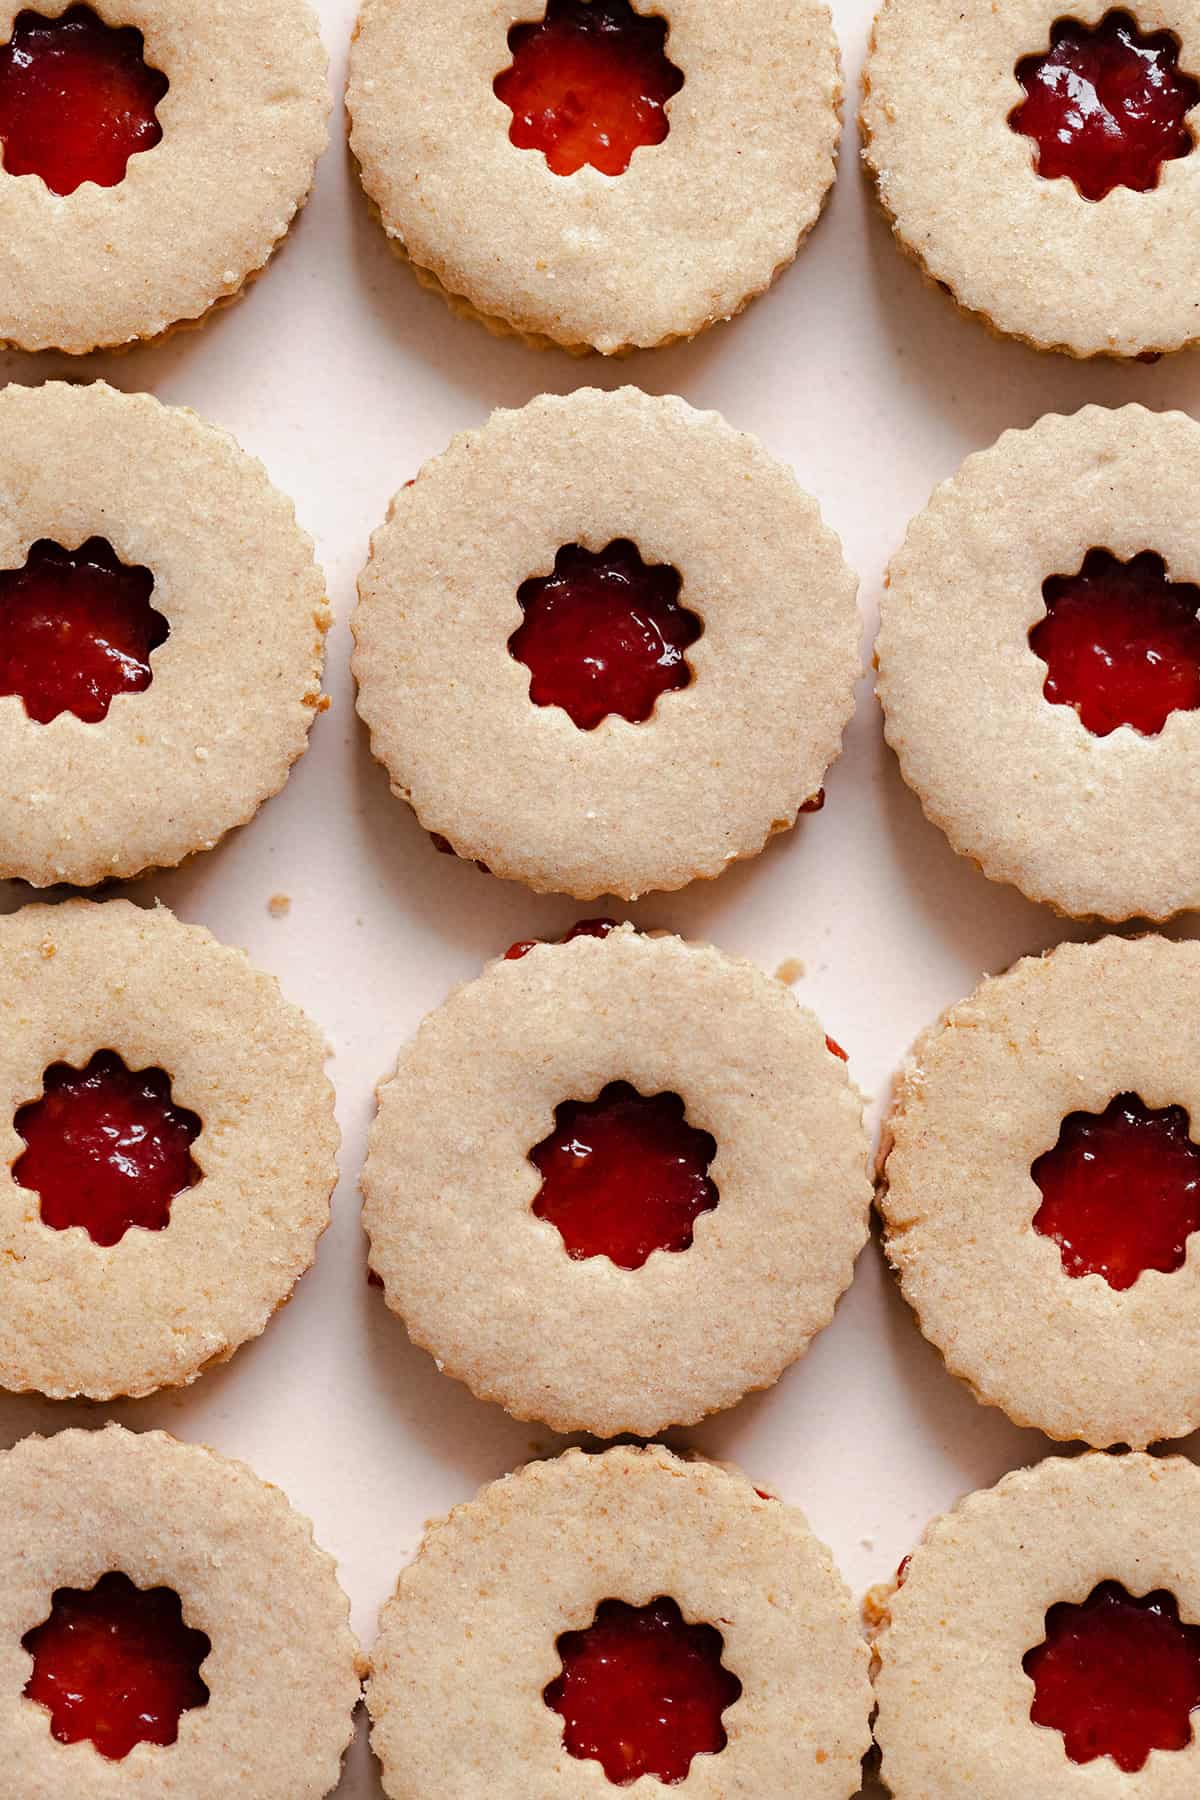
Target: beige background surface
344, 376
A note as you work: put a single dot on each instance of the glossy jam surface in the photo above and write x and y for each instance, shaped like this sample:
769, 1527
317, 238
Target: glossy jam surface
1118, 1676
597, 928
1120, 1191
1121, 643
76, 629
77, 99
1105, 105
624, 1175
589, 83
605, 633
117, 1665
642, 1692
106, 1148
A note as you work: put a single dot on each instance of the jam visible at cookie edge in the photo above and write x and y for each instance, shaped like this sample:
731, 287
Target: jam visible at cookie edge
76, 629
1121, 643
642, 1692
1120, 1191
624, 1175
1105, 105
605, 633
1118, 1676
106, 1148
588, 84
596, 928
116, 1665
77, 100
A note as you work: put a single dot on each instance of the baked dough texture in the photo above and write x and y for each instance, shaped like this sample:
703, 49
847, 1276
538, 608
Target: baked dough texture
982, 1095
953, 1698
243, 123
80, 1318
1094, 825
694, 228
236, 684
625, 808
467, 1644
489, 1290
1033, 258
283, 1672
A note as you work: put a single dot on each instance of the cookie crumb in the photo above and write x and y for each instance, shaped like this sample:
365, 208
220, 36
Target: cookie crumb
789, 971
279, 905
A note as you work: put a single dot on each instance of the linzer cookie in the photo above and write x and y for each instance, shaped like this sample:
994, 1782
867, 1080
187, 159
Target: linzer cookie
594, 173
1041, 1190
572, 1173
606, 645
1044, 1639
626, 1619
162, 623
1042, 168
151, 158
169, 1150
167, 1626
1039, 661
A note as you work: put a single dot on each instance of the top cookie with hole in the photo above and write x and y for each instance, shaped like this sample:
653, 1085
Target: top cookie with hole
617, 1182
606, 645
162, 626
1041, 168
1039, 662
151, 159
593, 173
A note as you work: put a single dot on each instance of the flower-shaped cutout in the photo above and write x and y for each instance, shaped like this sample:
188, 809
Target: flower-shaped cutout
642, 1692
106, 1148
624, 1175
77, 99
1105, 105
604, 633
76, 629
588, 84
1121, 643
116, 1664
1118, 1676
1121, 1191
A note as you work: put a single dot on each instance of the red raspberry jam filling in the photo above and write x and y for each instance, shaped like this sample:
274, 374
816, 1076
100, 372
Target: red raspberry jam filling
76, 629
605, 633
1121, 643
623, 1175
77, 99
1120, 1191
1105, 105
597, 928
106, 1148
588, 84
117, 1665
1118, 1676
642, 1692
835, 1049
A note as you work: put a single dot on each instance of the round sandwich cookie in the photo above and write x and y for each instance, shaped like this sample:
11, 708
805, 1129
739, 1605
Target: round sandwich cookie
627, 680
168, 1152
653, 170
1040, 166
1043, 1640
150, 160
1039, 662
625, 1619
167, 1627
594, 1150
162, 626
1041, 1190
